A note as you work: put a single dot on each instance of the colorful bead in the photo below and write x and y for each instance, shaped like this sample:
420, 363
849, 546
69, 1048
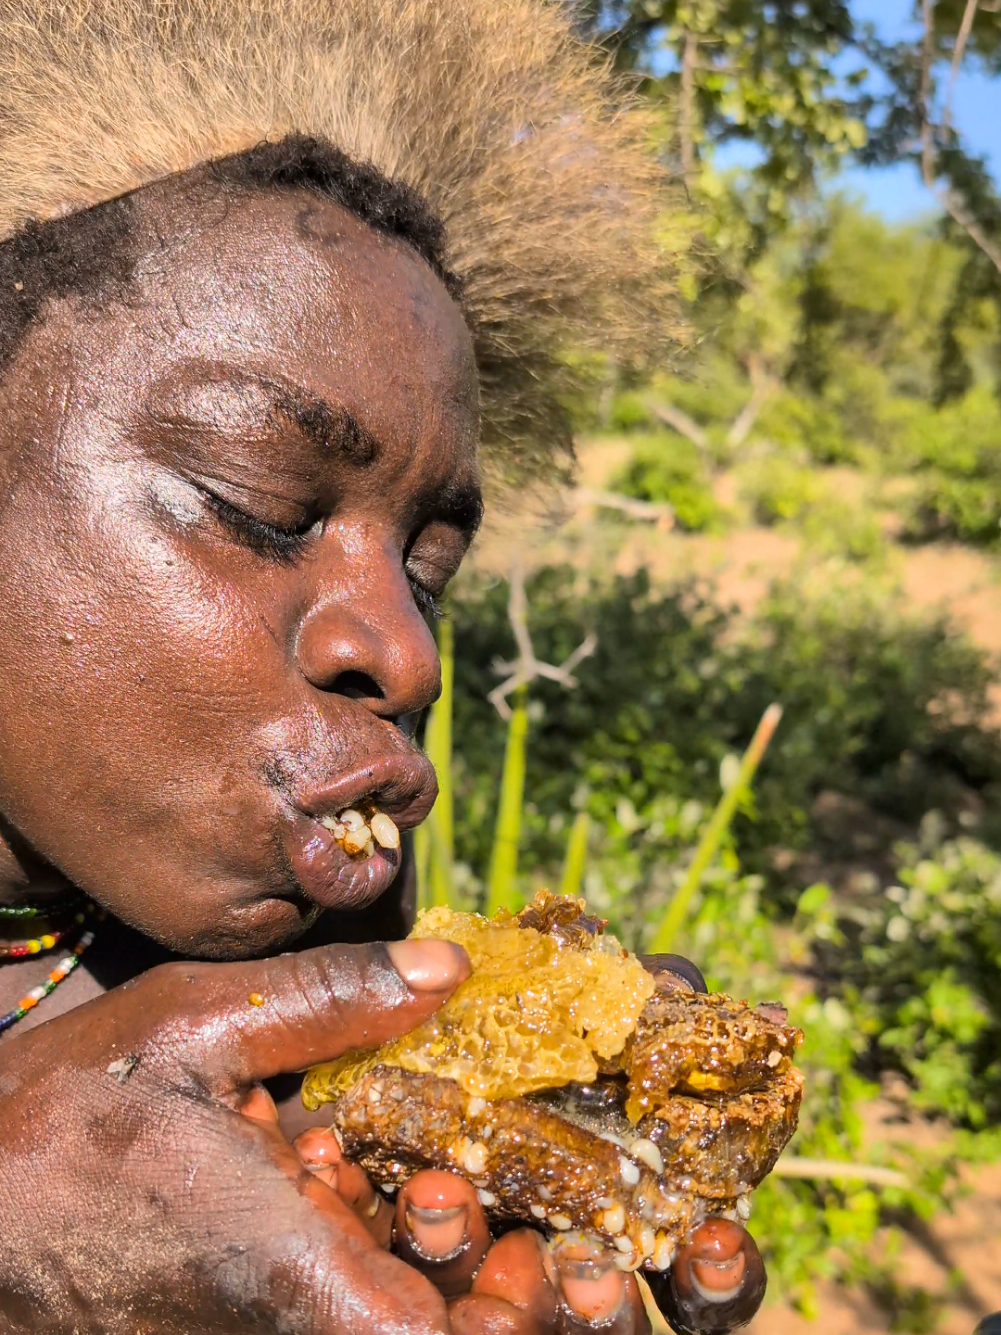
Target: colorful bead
62, 971
18, 949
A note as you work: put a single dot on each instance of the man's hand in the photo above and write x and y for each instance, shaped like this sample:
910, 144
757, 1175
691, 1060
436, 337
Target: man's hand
145, 1184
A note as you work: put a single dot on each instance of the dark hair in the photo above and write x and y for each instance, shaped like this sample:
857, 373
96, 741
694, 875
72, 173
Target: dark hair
92, 253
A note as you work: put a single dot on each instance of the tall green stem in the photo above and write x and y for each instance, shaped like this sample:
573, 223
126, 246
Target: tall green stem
708, 846
440, 750
575, 864
435, 846
502, 886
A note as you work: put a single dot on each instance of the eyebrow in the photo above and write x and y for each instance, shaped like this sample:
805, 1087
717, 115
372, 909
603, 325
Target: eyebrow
324, 426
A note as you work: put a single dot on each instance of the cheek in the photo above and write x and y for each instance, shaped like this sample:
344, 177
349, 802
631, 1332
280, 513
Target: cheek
126, 673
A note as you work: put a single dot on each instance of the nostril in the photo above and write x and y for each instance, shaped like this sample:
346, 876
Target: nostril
357, 686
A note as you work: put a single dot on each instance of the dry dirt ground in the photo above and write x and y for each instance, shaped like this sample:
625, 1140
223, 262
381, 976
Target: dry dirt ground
956, 1261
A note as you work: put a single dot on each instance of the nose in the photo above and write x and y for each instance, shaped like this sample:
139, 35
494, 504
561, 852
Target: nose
363, 637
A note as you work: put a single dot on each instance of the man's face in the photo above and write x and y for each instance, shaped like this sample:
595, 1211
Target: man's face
223, 503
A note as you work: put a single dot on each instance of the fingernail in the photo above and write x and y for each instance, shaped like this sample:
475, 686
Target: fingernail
429, 966
437, 1235
592, 1286
319, 1147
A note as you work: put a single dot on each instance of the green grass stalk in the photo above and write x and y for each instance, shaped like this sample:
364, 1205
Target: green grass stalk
438, 741
574, 866
502, 885
422, 865
708, 846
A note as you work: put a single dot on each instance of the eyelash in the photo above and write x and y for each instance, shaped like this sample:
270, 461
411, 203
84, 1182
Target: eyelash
277, 544
287, 545
426, 602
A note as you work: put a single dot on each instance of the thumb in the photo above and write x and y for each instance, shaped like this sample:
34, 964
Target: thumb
233, 1024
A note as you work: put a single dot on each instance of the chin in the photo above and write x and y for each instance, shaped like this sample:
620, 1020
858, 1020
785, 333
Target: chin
265, 927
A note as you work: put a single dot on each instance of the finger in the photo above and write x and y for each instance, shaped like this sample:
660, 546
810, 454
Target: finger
321, 1266
518, 1269
234, 1024
717, 1281
257, 1104
441, 1229
595, 1294
478, 1314
320, 1150
369, 1205
674, 971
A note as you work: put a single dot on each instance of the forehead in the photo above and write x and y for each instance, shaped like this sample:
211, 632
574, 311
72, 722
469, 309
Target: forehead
291, 287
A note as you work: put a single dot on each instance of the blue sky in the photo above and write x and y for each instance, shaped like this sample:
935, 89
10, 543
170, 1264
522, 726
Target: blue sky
897, 192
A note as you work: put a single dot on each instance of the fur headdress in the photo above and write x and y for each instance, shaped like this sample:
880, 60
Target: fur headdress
535, 159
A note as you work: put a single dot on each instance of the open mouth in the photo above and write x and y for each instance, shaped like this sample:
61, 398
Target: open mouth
343, 843
360, 832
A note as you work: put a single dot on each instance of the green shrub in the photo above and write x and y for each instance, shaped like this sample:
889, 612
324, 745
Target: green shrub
930, 968
628, 412
955, 454
811, 424
668, 469
888, 709
779, 490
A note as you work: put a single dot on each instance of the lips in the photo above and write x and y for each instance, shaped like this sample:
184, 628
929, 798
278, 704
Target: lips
402, 787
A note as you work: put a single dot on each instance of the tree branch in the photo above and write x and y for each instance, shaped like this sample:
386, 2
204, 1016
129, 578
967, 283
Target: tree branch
830, 1170
526, 667
686, 106
659, 512
946, 196
679, 421
962, 37
762, 388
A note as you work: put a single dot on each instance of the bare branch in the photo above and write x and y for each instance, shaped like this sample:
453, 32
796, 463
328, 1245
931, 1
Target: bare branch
949, 199
679, 421
661, 514
762, 389
526, 667
686, 107
924, 93
961, 215
829, 1170
962, 37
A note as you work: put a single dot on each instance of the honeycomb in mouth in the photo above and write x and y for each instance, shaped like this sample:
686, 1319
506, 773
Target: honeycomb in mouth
359, 832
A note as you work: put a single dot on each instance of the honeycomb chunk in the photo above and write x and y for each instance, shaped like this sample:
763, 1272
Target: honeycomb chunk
539, 1011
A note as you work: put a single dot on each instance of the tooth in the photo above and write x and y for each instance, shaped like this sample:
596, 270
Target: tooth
355, 841
384, 830
354, 820
330, 822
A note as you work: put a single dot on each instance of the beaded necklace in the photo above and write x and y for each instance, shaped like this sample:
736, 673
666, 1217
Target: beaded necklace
36, 945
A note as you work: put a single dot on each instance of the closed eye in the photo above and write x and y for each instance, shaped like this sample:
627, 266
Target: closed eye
272, 541
427, 604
